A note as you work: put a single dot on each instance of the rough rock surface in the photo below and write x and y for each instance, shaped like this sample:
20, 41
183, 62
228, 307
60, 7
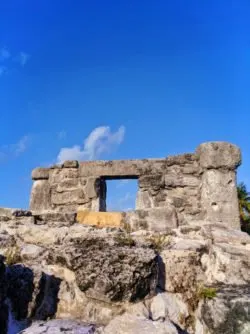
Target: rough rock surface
60, 326
137, 282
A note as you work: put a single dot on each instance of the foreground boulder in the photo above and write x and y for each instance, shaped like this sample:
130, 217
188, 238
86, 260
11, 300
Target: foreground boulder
193, 279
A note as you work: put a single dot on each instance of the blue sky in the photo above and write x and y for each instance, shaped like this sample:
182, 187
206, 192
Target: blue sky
160, 76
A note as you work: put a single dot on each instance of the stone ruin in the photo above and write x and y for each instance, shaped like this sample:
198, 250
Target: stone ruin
173, 191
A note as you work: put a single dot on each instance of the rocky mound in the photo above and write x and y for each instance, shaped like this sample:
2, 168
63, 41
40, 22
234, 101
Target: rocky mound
193, 279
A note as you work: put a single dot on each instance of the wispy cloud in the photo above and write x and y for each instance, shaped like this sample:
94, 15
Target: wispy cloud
8, 60
100, 140
14, 150
122, 183
21, 146
23, 57
125, 203
61, 135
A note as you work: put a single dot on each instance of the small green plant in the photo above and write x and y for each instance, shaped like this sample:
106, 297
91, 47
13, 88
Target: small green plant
206, 292
12, 255
159, 241
125, 239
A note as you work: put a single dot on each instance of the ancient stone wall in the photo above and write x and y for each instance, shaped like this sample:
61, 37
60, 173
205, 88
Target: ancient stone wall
171, 191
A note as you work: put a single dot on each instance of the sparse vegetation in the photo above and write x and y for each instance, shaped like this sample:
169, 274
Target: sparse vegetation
244, 207
12, 255
206, 292
127, 227
125, 239
159, 241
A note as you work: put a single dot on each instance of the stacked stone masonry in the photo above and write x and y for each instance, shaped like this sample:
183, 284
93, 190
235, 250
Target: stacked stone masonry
172, 191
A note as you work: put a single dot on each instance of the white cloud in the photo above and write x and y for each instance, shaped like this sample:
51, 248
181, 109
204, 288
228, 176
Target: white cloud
23, 58
100, 140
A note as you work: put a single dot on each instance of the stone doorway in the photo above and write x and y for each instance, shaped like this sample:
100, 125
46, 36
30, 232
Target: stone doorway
118, 194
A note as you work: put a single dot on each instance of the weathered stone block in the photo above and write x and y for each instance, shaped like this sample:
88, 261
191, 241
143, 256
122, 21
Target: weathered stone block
180, 159
219, 197
155, 219
173, 180
67, 184
71, 164
40, 196
40, 174
76, 196
148, 181
219, 154
143, 200
59, 175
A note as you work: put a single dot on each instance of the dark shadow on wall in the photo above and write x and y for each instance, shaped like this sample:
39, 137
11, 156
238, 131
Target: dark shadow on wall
161, 273
31, 296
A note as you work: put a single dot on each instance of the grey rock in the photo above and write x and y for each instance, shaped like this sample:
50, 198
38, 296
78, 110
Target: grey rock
109, 272
227, 313
219, 155
31, 252
130, 324
60, 326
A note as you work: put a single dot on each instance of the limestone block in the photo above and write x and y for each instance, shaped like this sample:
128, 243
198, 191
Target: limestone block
52, 216
228, 264
219, 197
67, 184
121, 168
75, 196
70, 164
40, 174
161, 219
40, 196
169, 306
173, 180
155, 219
92, 187
181, 159
148, 181
59, 175
219, 154
143, 200
179, 271
116, 168
100, 219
